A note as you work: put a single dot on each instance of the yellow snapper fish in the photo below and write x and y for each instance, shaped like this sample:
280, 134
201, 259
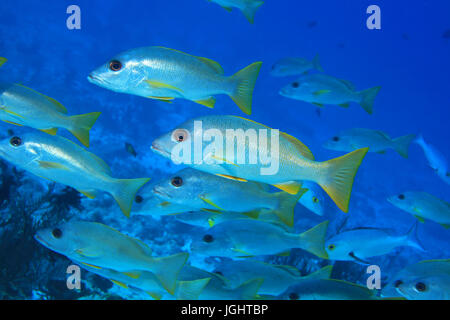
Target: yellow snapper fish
295, 66
436, 160
218, 287
321, 89
296, 162
423, 206
60, 160
248, 7
249, 237
23, 106
277, 278
167, 74
147, 282
375, 140
100, 246
359, 244
205, 191
426, 280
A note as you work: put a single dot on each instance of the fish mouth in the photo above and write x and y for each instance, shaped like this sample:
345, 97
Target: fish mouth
95, 79
159, 191
156, 148
41, 241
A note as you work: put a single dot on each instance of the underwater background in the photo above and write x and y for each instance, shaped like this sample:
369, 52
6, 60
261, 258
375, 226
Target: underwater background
408, 58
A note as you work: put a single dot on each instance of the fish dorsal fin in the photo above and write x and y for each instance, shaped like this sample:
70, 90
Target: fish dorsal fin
290, 269
383, 134
348, 84
213, 64
324, 273
101, 163
304, 150
144, 246
58, 106
120, 284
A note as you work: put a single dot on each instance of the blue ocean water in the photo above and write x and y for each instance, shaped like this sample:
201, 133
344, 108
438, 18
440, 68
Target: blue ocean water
408, 58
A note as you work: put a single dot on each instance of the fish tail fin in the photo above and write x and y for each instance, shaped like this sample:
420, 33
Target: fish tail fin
249, 289
168, 268
245, 83
2, 61
316, 63
412, 237
401, 144
368, 98
339, 181
313, 240
250, 10
286, 206
125, 191
82, 124
191, 290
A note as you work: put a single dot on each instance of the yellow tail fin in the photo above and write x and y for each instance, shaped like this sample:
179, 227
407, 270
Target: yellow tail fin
168, 268
245, 83
81, 125
339, 180
313, 240
125, 191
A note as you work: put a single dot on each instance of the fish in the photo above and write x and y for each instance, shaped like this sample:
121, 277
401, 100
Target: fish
327, 289
100, 246
166, 74
360, 244
249, 237
436, 160
22, 106
296, 162
147, 282
205, 191
218, 287
295, 66
277, 278
313, 199
377, 141
423, 206
2, 61
248, 7
322, 89
425, 280
130, 149
60, 160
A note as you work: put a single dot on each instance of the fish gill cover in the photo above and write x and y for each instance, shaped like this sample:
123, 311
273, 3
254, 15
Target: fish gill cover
396, 84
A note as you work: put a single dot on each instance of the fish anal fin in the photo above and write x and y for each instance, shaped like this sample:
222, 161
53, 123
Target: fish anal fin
209, 102
291, 187
13, 123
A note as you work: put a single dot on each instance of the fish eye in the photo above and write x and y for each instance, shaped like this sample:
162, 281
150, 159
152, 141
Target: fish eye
180, 135
398, 283
315, 200
336, 139
57, 233
15, 141
420, 287
401, 196
208, 238
295, 85
115, 65
177, 182
293, 296
138, 199
331, 247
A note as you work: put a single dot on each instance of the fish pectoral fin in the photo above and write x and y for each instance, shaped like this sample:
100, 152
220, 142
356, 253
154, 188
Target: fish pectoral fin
51, 131
164, 204
120, 284
86, 252
291, 187
161, 85
10, 122
90, 194
321, 92
352, 254
421, 220
320, 105
52, 165
210, 202
163, 99
133, 275
246, 254
210, 102
91, 265
231, 177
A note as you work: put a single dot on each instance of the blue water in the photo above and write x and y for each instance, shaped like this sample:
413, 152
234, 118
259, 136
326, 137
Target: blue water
408, 58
